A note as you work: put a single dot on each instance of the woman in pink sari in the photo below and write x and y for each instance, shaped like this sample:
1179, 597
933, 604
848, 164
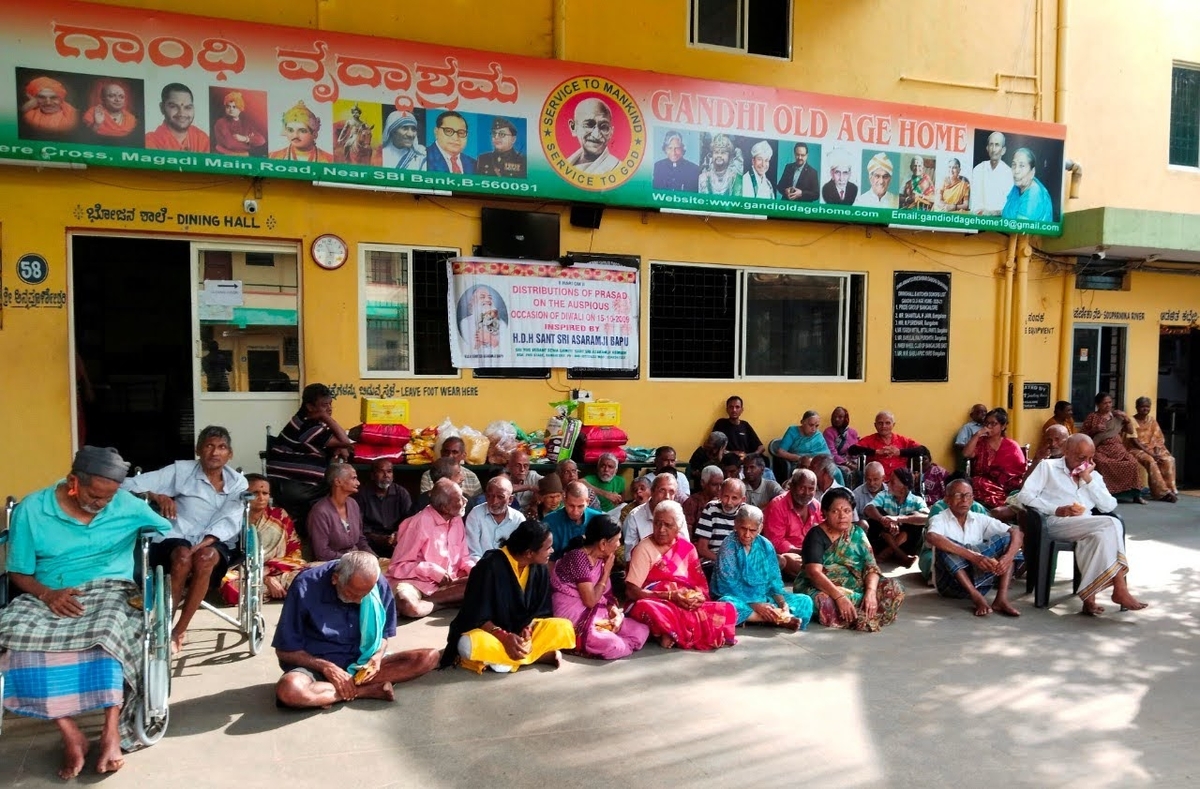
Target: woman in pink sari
667, 590
582, 594
998, 462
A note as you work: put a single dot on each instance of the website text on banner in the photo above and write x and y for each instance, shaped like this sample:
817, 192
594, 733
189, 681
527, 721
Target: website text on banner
101, 85
505, 313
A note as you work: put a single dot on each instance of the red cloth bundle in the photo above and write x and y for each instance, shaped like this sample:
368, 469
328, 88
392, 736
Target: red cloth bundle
385, 436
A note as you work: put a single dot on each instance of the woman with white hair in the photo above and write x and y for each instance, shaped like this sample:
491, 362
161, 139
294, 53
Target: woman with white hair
748, 577
757, 182
667, 589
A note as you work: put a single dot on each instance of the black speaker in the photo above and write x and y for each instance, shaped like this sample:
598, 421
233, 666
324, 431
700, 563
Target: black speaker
586, 215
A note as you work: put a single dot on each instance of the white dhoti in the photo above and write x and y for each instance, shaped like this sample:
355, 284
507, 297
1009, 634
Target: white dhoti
1099, 548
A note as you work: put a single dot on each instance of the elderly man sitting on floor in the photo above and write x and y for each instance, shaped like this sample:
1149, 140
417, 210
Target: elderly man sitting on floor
332, 637
972, 552
431, 562
1066, 491
73, 640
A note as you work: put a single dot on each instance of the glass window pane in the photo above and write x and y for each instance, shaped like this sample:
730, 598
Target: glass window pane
386, 293
768, 27
794, 324
1185, 116
693, 324
715, 22
248, 322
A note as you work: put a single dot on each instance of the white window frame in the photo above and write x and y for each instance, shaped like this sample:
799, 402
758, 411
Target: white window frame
743, 17
740, 312
407, 250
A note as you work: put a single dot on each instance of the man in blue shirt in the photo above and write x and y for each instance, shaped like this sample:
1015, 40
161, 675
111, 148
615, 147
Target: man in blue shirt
330, 649
71, 560
571, 519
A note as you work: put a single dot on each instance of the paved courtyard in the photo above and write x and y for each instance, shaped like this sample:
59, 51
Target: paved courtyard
1052, 699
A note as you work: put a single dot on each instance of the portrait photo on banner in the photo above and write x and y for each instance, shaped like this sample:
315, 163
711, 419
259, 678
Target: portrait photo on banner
799, 169
840, 175
917, 188
454, 141
403, 131
82, 108
879, 187
760, 156
239, 126
1035, 166
301, 133
676, 159
482, 316
357, 132
503, 151
179, 120
953, 184
722, 163
593, 133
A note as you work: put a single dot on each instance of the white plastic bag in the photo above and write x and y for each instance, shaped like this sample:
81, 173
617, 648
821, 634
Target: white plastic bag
445, 430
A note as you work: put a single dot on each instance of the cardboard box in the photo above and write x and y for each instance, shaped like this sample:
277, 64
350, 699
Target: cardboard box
380, 411
601, 412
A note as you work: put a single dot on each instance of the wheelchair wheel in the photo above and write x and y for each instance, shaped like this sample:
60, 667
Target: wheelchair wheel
152, 730
258, 631
153, 714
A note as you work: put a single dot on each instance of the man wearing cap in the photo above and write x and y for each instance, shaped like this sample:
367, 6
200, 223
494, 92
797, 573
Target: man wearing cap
504, 160
879, 171
73, 640
202, 498
400, 148
46, 109
838, 190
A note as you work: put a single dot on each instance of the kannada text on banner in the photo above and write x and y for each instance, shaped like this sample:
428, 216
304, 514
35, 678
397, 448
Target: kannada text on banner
101, 85
506, 313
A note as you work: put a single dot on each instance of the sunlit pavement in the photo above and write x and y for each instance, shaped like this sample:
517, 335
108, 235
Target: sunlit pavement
1052, 699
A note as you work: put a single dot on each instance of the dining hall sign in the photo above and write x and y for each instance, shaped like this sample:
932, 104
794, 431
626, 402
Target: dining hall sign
120, 87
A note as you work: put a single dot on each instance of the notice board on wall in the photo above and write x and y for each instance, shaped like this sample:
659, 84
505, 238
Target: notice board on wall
920, 326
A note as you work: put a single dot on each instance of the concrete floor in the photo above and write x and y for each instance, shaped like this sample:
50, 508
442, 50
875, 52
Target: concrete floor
940, 697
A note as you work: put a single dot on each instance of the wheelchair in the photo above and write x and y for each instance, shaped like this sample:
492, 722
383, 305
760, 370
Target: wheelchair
153, 714
249, 619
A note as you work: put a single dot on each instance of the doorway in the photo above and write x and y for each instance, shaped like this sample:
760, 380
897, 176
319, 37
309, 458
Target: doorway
1179, 395
1097, 365
133, 338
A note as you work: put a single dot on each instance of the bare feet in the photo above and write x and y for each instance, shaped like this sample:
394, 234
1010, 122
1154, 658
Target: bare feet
1137, 499
1128, 602
75, 748
551, 658
666, 642
1004, 607
377, 690
908, 561
982, 608
1170, 498
791, 623
111, 758
1091, 609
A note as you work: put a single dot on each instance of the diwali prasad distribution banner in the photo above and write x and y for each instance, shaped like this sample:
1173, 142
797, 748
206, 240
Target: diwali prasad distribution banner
507, 313
122, 87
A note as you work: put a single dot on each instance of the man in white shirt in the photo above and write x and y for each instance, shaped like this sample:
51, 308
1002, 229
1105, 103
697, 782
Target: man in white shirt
991, 181
1066, 491
640, 522
759, 489
495, 520
202, 499
879, 174
972, 552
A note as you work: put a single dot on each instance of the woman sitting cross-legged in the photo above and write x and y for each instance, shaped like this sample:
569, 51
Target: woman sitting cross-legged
667, 590
282, 561
840, 573
499, 625
582, 593
748, 577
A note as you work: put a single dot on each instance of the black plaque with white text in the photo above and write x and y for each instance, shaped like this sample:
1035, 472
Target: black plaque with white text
920, 326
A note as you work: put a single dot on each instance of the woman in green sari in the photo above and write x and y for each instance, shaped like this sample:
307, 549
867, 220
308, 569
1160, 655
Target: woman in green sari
840, 572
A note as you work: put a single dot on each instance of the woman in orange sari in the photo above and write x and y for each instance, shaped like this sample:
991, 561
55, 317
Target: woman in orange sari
667, 589
277, 536
998, 462
1108, 428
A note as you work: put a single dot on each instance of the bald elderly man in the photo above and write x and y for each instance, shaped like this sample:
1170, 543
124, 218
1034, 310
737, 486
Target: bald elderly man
1067, 491
593, 128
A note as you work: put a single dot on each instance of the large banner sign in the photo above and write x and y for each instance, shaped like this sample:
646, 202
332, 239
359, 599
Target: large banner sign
100, 85
508, 313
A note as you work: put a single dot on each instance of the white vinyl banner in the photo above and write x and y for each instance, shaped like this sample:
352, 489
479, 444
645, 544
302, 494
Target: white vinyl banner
516, 313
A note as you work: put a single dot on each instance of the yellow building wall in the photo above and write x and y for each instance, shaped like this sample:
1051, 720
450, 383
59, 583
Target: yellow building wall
1123, 103
37, 208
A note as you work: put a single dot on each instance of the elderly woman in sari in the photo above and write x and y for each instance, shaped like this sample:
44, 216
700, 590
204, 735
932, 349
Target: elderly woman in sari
667, 590
582, 593
955, 194
282, 561
840, 573
839, 437
1107, 429
499, 626
803, 440
998, 462
747, 577
1149, 447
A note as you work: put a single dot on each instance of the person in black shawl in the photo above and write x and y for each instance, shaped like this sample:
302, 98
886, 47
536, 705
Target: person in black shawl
500, 625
